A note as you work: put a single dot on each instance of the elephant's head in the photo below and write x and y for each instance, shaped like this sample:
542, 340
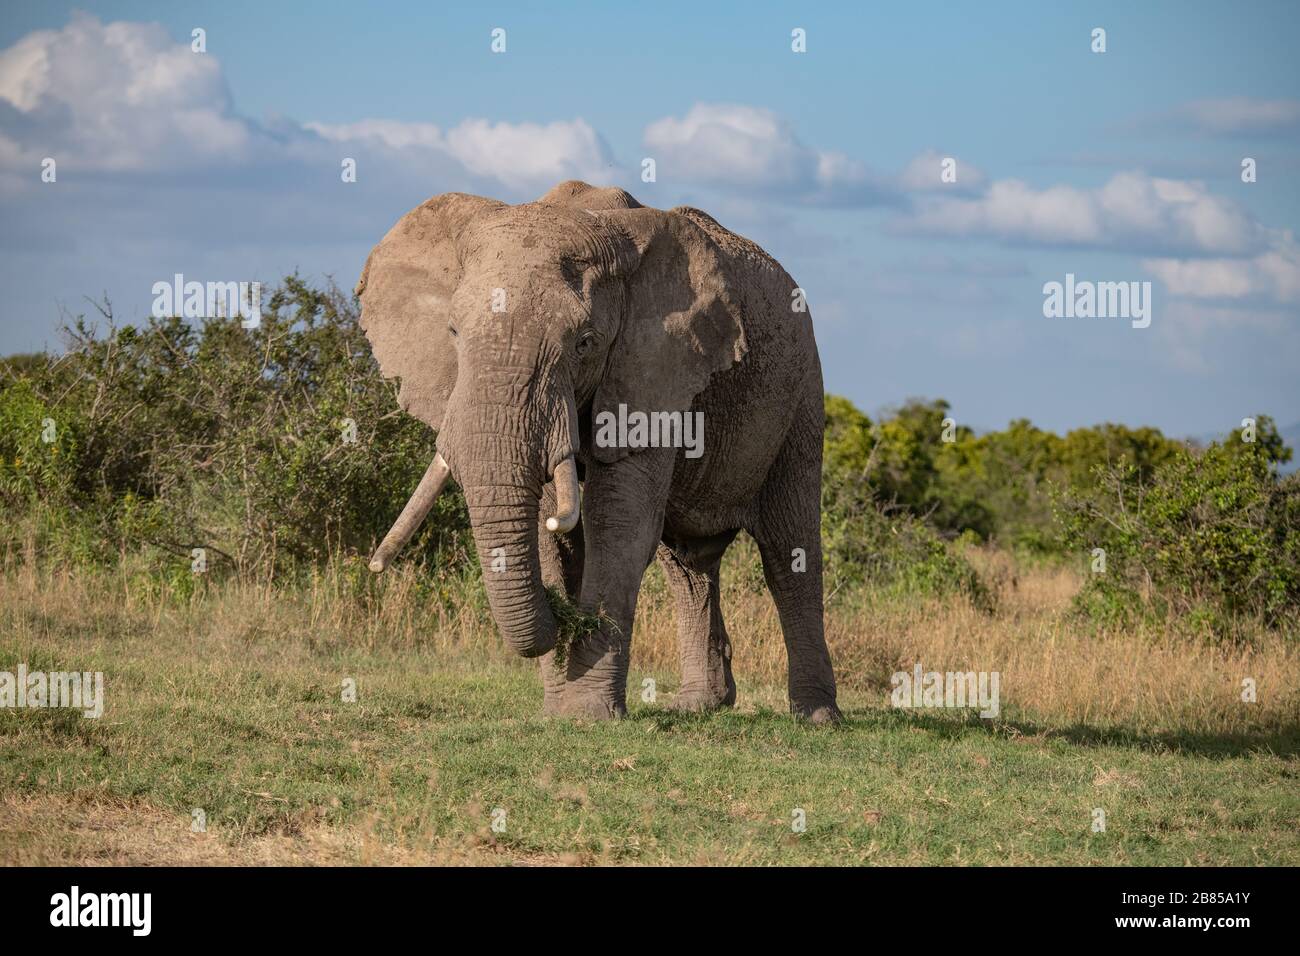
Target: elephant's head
510, 325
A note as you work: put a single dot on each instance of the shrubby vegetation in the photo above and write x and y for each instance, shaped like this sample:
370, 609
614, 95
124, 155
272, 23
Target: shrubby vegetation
170, 437
142, 442
1208, 537
876, 486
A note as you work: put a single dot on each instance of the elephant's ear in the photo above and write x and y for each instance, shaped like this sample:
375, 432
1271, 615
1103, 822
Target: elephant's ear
405, 291
682, 321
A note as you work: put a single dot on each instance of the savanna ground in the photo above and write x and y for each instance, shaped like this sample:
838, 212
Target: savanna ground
230, 701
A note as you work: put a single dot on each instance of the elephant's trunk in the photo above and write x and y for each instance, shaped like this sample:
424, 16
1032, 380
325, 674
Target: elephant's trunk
413, 515
504, 519
504, 447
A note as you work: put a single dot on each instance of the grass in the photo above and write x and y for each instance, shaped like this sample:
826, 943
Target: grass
571, 623
231, 702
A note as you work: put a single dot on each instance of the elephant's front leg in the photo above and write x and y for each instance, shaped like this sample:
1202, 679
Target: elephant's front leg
622, 519
561, 557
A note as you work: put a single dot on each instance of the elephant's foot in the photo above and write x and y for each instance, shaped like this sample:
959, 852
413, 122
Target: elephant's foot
699, 701
596, 684
816, 711
714, 695
590, 706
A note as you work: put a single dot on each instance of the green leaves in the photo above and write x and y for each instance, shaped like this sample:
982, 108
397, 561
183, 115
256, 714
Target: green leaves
1212, 536
271, 447
38, 447
1204, 535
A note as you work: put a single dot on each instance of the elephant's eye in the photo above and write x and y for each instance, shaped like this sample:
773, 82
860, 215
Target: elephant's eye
572, 268
585, 342
451, 327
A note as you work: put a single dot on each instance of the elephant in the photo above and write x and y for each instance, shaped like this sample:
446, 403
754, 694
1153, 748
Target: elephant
519, 333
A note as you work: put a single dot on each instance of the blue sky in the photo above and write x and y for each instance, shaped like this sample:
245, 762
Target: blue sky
1121, 166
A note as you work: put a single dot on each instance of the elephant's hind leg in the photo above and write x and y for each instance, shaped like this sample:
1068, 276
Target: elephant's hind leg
693, 574
788, 531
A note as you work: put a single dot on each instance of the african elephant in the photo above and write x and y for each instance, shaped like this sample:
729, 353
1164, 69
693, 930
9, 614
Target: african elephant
520, 333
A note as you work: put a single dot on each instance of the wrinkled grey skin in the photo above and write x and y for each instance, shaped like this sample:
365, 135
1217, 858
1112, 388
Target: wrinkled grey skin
609, 302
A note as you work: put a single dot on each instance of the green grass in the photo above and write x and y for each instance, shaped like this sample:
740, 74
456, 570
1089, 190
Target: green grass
251, 728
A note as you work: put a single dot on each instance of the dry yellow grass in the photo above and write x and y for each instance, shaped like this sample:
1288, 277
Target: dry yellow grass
1053, 668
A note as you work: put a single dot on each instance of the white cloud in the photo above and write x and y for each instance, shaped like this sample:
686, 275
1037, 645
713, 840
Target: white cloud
1012, 210
531, 154
1201, 246
115, 97
1224, 116
751, 150
1281, 266
747, 148
522, 156
1131, 211
1274, 274
723, 143
393, 134
126, 97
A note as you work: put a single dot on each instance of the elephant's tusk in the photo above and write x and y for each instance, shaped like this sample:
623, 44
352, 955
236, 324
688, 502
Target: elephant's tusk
413, 515
568, 498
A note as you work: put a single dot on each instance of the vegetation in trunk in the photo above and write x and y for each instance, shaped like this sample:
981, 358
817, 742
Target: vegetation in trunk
572, 623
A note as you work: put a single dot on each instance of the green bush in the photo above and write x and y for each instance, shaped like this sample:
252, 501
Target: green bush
173, 437
1000, 486
1212, 538
868, 537
38, 454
